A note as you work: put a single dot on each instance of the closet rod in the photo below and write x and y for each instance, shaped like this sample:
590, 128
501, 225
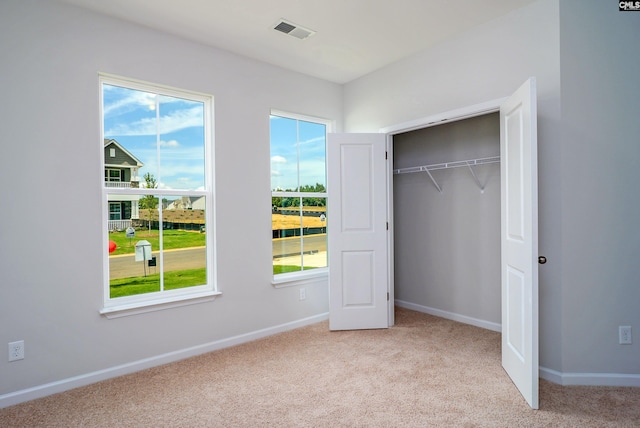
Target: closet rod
447, 165
456, 164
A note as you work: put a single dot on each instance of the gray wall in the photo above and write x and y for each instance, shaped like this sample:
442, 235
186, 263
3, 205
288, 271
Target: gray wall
50, 169
447, 245
600, 49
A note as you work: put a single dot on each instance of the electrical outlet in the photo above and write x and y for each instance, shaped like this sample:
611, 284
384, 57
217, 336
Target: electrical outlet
303, 294
624, 333
16, 350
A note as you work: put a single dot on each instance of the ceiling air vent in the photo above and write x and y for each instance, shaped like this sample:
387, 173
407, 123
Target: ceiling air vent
292, 29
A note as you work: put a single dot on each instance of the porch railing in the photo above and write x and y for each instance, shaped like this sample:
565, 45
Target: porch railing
119, 224
122, 184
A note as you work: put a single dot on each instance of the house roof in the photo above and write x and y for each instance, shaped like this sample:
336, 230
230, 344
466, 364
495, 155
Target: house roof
109, 142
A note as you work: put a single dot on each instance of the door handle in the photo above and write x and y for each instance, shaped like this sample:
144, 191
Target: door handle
542, 260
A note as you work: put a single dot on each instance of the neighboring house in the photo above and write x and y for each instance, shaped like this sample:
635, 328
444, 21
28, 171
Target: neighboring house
187, 203
121, 171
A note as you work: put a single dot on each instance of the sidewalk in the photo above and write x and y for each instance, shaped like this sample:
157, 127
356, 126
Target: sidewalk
318, 259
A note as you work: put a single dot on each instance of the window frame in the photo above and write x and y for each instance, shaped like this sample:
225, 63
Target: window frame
109, 177
112, 212
304, 276
141, 303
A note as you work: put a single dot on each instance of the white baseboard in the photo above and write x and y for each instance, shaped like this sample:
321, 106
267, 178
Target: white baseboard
28, 394
565, 379
590, 379
450, 316
17, 397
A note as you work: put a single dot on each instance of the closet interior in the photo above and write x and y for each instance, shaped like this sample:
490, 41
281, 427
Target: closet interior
446, 208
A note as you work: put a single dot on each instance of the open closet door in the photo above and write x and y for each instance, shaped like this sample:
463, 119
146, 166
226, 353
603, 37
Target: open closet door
357, 220
519, 205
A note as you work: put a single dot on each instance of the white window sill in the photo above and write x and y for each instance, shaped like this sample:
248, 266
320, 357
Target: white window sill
137, 308
300, 278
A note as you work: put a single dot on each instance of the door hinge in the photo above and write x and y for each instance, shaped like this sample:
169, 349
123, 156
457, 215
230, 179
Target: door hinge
387, 225
387, 296
386, 155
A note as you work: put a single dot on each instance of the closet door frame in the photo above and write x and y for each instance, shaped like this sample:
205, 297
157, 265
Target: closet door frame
487, 107
439, 119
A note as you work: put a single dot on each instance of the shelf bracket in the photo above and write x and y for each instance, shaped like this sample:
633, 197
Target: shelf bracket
435, 183
475, 177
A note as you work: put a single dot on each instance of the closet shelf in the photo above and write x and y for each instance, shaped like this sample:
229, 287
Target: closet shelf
456, 164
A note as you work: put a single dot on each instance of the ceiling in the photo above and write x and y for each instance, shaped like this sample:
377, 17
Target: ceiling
352, 37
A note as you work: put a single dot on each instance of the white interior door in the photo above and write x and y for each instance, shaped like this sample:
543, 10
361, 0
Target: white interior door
519, 205
357, 221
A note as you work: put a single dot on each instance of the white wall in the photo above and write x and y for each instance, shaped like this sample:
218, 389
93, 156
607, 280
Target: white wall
50, 171
485, 63
601, 202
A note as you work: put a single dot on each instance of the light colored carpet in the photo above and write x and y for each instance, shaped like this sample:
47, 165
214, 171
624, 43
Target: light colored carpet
425, 371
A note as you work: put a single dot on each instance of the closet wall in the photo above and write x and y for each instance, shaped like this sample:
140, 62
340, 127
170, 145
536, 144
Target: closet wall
447, 244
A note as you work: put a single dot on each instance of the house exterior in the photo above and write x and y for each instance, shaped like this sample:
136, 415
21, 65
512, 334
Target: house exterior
187, 203
121, 171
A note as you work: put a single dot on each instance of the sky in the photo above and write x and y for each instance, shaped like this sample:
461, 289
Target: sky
166, 135
296, 142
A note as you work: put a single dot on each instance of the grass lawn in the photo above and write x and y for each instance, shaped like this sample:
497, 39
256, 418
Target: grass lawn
177, 279
171, 239
287, 268
151, 283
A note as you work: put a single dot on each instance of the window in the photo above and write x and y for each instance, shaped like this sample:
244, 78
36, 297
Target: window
114, 211
112, 175
298, 196
157, 154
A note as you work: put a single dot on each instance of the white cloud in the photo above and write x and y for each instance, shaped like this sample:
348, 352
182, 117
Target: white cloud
172, 144
132, 101
278, 159
312, 141
175, 121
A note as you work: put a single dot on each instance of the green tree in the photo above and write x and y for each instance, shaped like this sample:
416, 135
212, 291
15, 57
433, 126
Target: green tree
314, 202
149, 202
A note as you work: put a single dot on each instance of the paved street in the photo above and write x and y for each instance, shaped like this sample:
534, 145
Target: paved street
126, 266
315, 247
284, 247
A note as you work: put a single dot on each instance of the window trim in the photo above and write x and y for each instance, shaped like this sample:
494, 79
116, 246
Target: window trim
142, 303
113, 212
290, 279
110, 178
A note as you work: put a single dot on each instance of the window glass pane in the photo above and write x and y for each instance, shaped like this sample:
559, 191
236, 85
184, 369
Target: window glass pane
284, 153
181, 144
299, 234
314, 243
184, 261
131, 248
129, 117
312, 155
286, 228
